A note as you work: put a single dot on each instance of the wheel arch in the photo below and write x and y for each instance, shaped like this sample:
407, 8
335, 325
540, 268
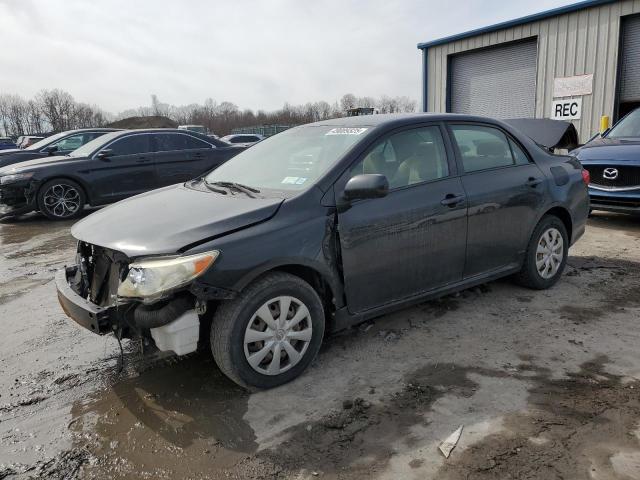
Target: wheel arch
80, 182
326, 284
563, 214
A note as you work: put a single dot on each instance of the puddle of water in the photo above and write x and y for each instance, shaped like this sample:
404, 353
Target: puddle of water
172, 421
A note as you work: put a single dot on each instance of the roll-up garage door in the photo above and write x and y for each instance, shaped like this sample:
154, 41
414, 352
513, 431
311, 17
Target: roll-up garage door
497, 82
630, 72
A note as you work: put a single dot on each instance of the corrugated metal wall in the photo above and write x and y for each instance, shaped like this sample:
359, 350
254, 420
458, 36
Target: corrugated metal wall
575, 43
498, 82
630, 71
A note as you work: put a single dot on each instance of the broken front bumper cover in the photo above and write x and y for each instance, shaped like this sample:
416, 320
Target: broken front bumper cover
86, 314
174, 327
16, 200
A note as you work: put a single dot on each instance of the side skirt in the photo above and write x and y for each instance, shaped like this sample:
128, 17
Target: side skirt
345, 319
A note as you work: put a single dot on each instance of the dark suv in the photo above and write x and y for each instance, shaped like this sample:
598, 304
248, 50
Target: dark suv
114, 166
613, 160
321, 227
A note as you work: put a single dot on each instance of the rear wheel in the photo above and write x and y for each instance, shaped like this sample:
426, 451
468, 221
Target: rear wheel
546, 254
61, 199
270, 333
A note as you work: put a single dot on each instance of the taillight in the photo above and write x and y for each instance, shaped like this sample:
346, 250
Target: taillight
586, 178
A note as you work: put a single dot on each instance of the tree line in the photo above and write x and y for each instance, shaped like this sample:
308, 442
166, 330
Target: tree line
56, 110
49, 111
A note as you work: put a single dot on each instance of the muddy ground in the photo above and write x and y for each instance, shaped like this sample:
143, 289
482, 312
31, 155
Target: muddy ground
545, 384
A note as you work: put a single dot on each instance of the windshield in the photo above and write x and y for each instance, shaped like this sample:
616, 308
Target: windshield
628, 127
46, 141
89, 147
291, 160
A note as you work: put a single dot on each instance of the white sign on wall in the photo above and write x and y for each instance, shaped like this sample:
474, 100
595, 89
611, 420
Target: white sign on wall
569, 109
572, 86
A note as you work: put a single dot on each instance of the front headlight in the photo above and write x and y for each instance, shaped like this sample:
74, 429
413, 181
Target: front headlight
14, 178
150, 278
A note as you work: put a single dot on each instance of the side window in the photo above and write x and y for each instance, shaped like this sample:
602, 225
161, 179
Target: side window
518, 154
237, 140
192, 142
482, 147
169, 142
132, 145
73, 142
407, 157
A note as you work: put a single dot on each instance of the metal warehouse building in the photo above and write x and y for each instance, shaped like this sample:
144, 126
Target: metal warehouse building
578, 63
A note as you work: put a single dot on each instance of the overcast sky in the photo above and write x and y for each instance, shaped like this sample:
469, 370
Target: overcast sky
257, 54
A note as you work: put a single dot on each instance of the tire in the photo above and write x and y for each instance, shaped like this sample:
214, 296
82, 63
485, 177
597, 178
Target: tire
242, 319
540, 276
61, 199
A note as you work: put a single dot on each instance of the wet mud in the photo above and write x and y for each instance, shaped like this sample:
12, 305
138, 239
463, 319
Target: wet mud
375, 403
585, 426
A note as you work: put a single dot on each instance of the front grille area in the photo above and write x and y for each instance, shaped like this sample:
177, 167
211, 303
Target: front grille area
100, 270
628, 176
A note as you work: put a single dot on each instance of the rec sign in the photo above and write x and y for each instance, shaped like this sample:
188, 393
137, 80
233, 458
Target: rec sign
569, 109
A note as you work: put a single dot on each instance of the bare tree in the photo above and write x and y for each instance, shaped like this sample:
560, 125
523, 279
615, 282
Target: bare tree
348, 101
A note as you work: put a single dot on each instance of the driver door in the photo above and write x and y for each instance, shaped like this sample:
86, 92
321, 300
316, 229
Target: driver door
414, 239
129, 170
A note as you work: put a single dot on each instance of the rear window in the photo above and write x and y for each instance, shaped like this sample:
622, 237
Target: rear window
482, 148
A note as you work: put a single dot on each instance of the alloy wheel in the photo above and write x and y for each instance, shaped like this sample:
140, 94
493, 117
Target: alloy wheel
549, 253
278, 335
62, 200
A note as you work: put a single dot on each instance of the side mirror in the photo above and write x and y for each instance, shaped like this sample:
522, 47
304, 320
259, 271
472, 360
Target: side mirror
51, 149
366, 186
104, 154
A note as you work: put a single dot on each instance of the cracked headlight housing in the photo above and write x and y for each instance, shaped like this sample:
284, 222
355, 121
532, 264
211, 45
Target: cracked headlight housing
152, 278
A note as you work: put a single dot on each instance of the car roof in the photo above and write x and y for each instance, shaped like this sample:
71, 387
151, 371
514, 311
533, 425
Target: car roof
96, 129
399, 118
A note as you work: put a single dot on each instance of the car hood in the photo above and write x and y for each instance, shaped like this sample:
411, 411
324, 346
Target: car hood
166, 220
30, 165
8, 151
16, 156
609, 149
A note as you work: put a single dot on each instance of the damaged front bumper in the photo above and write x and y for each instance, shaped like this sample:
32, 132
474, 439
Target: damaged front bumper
100, 320
173, 325
16, 199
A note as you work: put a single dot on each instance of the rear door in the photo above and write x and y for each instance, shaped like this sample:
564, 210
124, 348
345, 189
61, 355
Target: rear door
129, 170
412, 240
181, 157
505, 191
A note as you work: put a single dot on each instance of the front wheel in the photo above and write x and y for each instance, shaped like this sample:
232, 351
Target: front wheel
61, 199
270, 333
546, 254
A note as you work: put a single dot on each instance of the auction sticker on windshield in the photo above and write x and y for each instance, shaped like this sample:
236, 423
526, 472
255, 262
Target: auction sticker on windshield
346, 131
294, 180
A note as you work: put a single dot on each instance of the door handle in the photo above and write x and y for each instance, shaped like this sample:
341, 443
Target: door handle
533, 182
451, 200
142, 160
